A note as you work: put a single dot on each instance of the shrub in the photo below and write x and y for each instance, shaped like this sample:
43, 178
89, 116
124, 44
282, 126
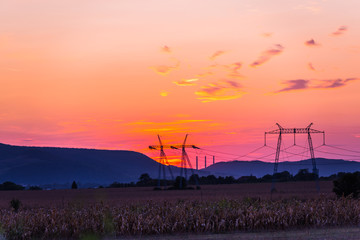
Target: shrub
15, 204
347, 185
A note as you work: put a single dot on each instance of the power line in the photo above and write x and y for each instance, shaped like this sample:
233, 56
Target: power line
332, 146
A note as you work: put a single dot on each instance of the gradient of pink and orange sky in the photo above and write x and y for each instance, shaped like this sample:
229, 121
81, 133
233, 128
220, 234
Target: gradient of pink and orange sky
114, 74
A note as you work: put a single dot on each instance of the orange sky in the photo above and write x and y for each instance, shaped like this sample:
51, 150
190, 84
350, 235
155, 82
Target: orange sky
114, 74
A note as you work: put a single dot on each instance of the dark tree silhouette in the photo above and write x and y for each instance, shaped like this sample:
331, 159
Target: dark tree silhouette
348, 184
194, 179
74, 185
144, 179
304, 175
179, 180
11, 186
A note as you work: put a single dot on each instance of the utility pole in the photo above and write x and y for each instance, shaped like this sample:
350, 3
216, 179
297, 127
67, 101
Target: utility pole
197, 165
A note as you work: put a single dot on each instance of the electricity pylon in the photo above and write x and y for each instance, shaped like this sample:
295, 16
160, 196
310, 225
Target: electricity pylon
184, 164
163, 161
185, 161
308, 130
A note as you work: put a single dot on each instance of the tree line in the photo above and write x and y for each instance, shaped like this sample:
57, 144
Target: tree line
285, 176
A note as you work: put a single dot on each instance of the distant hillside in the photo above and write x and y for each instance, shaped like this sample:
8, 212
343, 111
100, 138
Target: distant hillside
49, 165
237, 169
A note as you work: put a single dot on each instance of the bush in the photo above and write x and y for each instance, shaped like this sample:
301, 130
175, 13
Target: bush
347, 185
15, 204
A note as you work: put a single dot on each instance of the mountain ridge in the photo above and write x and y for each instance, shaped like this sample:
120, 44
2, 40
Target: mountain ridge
30, 165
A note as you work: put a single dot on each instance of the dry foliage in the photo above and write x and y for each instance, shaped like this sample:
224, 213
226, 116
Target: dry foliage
183, 216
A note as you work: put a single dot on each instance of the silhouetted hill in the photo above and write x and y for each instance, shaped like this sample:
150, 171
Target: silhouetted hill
237, 169
49, 165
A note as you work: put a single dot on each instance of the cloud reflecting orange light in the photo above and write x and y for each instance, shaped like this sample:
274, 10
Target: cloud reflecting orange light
220, 90
173, 160
186, 82
166, 49
164, 69
172, 127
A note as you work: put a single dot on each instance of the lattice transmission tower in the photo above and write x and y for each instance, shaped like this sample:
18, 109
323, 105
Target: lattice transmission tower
308, 130
184, 164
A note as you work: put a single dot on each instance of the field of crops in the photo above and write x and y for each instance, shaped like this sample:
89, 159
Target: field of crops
115, 196
141, 211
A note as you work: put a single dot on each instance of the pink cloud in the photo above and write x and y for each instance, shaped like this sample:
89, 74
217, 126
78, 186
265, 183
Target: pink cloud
311, 43
165, 49
216, 54
311, 67
334, 83
294, 85
267, 55
341, 30
267, 34
234, 70
301, 84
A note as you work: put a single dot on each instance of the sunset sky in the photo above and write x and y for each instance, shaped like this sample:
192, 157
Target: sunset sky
114, 74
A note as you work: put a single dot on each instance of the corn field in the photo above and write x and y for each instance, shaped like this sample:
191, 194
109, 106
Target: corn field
190, 216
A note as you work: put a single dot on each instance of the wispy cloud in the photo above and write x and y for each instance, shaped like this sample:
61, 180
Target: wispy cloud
311, 43
186, 82
294, 85
170, 123
234, 70
173, 160
267, 34
202, 75
216, 54
164, 69
165, 49
164, 93
221, 90
267, 55
171, 127
311, 66
334, 83
341, 30
301, 84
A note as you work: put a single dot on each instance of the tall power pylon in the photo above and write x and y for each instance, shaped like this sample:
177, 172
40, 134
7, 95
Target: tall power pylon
163, 161
185, 161
184, 164
308, 130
